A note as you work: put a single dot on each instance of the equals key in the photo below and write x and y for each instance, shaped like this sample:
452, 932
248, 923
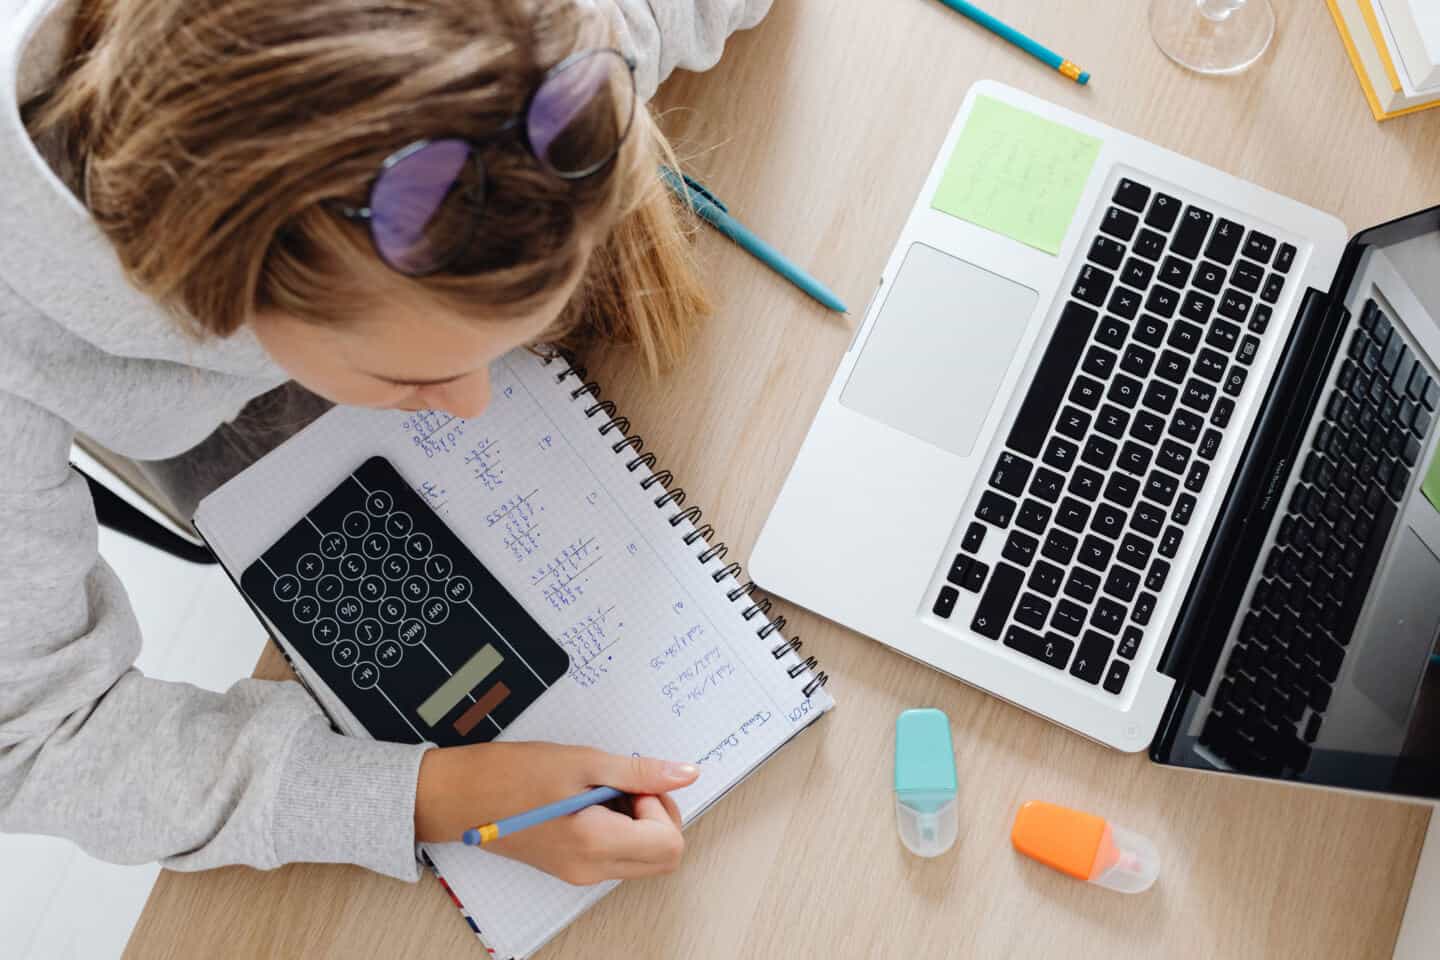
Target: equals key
996, 603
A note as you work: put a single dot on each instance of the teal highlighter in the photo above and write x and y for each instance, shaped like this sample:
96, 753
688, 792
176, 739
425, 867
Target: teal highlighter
925, 782
708, 206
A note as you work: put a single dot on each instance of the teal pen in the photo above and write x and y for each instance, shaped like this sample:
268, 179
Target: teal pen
1007, 32
708, 206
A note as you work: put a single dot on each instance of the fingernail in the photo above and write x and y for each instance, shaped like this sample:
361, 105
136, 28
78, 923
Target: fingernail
681, 772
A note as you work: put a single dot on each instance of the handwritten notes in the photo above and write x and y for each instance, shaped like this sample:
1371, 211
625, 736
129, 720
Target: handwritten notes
1017, 173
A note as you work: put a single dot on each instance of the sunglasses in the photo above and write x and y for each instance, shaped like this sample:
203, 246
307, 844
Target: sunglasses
425, 202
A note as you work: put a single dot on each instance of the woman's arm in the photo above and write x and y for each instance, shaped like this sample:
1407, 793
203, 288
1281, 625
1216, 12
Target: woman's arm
687, 34
134, 769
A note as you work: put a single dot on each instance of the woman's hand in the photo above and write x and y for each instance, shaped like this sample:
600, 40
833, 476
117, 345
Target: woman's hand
463, 787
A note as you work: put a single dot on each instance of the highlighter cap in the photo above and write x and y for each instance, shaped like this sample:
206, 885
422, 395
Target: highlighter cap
1085, 847
925, 809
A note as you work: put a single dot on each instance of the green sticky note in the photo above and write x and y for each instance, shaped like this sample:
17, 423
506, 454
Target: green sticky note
1431, 486
1017, 174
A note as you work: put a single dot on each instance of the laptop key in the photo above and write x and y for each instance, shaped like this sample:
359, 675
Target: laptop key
1045, 578
1099, 452
1060, 454
1235, 305
1175, 272
1197, 307
1224, 241
1148, 518
975, 535
1122, 583
1164, 210
1010, 474
1073, 423
1260, 318
1143, 609
1130, 642
1148, 427
995, 509
1119, 223
1155, 579
1247, 276
1082, 585
1274, 286
1069, 617
1184, 507
1173, 456
1095, 552
1234, 381
1209, 445
1092, 284
1151, 331
1160, 397
1085, 483
1033, 516
1052, 649
1150, 244
1059, 547
1042, 400
1249, 347
1285, 258
1137, 273
1121, 489
1210, 365
1108, 616
1115, 676
1210, 277
1259, 246
1162, 300
959, 567
1195, 479
1032, 611
1134, 457
945, 602
1185, 336
1173, 366
1020, 548
1107, 252
1130, 194
1194, 224
1092, 656
1134, 551
995, 603
1223, 335
1072, 515
1047, 485
1170, 542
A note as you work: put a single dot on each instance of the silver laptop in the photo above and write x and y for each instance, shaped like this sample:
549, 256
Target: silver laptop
1161, 482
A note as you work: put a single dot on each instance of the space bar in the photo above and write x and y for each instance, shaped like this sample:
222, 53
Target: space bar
1047, 388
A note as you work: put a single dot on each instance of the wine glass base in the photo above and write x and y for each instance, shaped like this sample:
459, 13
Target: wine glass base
1214, 46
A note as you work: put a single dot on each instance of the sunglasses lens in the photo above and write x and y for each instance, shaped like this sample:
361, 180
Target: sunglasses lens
422, 206
581, 114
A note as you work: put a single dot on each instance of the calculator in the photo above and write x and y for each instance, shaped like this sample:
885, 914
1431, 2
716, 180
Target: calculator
399, 619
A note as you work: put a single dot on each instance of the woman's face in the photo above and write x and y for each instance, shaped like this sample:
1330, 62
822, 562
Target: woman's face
396, 358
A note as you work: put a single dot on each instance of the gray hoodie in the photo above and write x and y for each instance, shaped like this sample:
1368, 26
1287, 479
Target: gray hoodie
131, 768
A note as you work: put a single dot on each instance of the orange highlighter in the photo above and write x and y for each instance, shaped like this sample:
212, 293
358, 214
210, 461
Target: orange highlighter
1085, 846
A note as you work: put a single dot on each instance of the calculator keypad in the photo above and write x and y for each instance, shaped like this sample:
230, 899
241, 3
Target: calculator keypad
402, 622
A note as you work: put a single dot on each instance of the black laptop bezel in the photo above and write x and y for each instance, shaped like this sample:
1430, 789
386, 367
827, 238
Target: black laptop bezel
1191, 656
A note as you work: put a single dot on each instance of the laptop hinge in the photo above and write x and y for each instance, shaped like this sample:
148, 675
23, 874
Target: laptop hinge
1244, 516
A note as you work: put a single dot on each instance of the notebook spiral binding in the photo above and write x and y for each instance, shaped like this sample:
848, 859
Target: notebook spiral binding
632, 444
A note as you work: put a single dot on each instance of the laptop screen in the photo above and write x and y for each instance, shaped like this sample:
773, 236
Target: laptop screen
1310, 648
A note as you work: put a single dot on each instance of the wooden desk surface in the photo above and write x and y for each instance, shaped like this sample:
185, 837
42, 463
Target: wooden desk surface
818, 128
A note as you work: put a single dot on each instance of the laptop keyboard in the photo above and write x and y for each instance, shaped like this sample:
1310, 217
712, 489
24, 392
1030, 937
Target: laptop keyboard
1113, 442
1280, 672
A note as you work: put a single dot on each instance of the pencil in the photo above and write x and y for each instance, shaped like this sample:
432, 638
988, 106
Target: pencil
479, 836
1004, 31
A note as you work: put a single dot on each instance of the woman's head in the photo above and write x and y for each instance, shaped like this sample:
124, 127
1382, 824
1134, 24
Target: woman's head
221, 139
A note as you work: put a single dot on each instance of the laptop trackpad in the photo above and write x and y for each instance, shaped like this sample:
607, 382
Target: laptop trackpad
1401, 629
942, 343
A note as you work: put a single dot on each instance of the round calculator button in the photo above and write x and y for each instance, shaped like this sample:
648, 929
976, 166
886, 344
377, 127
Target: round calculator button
415, 589
349, 610
332, 545
367, 631
379, 503
435, 611
364, 674
329, 588
372, 588
392, 610
352, 566
417, 546
438, 567
325, 631
396, 567
355, 524
375, 546
310, 566
345, 653
306, 609
389, 653
412, 632
459, 589
399, 524
287, 587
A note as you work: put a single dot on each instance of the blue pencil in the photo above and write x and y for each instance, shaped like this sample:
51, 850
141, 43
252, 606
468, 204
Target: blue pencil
708, 206
478, 836
1007, 32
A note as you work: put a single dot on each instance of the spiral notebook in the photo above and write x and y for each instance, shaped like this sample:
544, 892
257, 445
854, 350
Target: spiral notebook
671, 651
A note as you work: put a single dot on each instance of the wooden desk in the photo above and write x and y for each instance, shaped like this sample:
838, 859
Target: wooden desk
818, 128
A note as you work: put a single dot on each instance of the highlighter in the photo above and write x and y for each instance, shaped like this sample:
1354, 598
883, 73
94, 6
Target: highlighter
1086, 847
925, 782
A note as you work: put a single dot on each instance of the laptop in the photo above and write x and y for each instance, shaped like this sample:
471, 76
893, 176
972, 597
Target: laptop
1164, 484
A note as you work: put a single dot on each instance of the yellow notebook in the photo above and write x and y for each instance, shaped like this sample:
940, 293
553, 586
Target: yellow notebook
1370, 63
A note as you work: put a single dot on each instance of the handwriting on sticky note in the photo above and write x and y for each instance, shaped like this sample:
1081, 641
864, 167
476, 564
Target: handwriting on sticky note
1017, 173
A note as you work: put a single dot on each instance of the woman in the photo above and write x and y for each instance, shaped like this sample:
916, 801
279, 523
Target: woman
206, 199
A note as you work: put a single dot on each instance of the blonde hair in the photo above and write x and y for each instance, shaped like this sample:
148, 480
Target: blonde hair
213, 136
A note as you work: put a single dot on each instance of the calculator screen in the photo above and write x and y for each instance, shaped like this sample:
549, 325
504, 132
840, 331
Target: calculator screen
399, 619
